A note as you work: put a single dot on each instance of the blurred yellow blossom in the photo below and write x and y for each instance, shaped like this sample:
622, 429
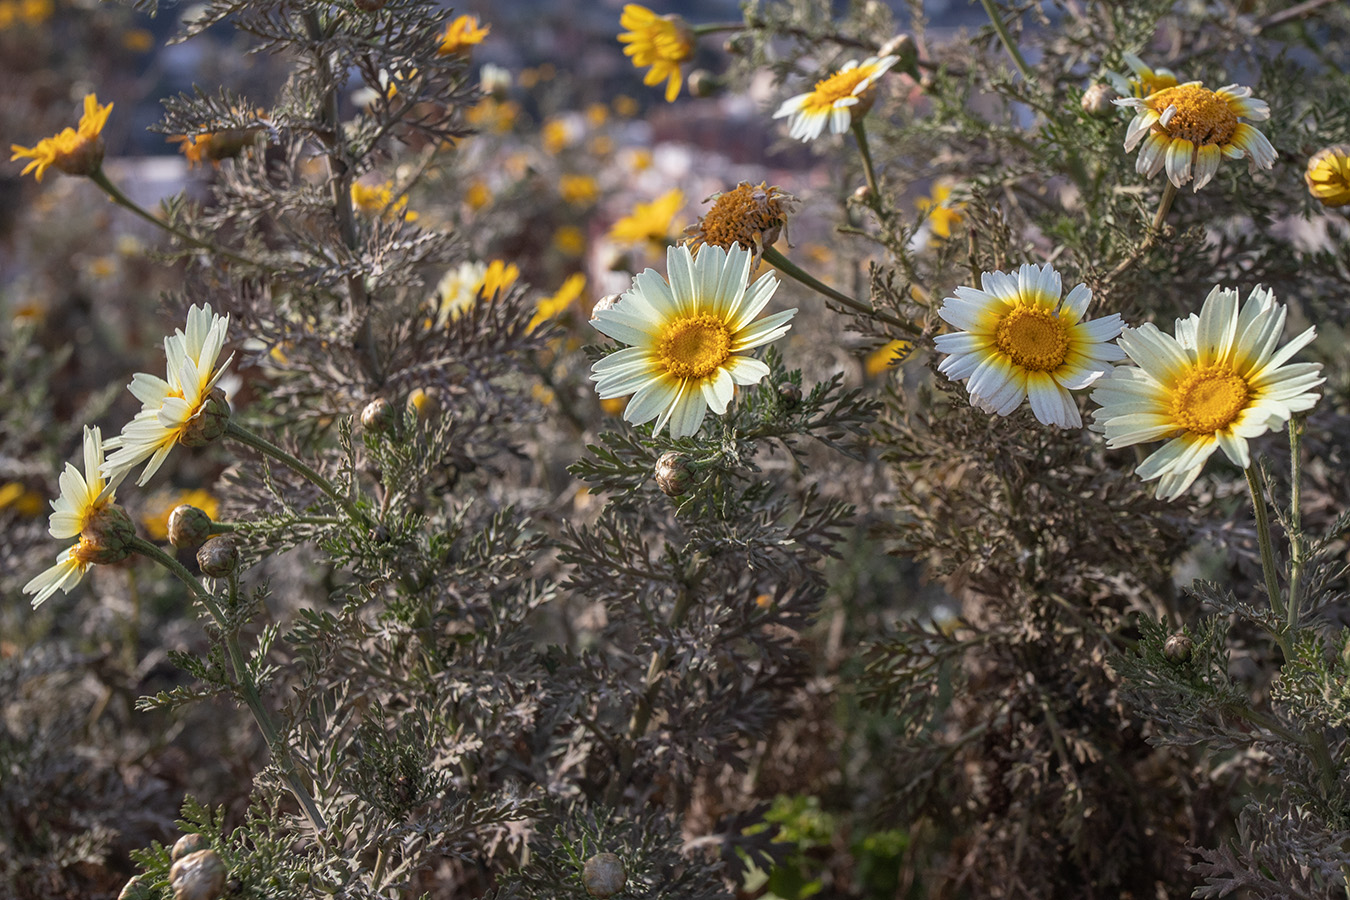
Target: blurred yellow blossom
601, 145
625, 106
941, 212
155, 515
662, 42
461, 287
579, 189
882, 358
213, 146
549, 307
71, 151
597, 114
569, 240
556, 136
639, 159
378, 200
461, 34
650, 222
477, 194
138, 40
1328, 175
22, 499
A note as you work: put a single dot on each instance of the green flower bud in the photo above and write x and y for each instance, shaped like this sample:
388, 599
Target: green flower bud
1177, 648
603, 875
188, 526
188, 843
218, 557
209, 422
198, 876
673, 473
379, 416
107, 537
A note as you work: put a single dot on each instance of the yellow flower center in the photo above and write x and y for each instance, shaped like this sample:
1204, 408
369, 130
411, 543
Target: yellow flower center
742, 216
836, 87
694, 346
1033, 338
1202, 116
1209, 398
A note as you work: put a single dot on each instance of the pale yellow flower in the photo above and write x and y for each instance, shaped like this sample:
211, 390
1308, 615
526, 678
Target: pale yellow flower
662, 42
939, 209
378, 200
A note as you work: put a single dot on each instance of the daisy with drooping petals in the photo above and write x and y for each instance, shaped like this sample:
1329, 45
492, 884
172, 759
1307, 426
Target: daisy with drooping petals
835, 99
1218, 383
1187, 129
687, 337
1328, 175
71, 151
85, 510
1142, 80
662, 42
1020, 341
185, 409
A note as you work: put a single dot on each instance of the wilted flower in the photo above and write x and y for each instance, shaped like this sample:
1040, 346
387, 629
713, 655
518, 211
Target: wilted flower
687, 338
662, 42
1021, 341
1191, 127
75, 152
1328, 175
170, 409
213, 146
749, 215
835, 99
1218, 383
85, 510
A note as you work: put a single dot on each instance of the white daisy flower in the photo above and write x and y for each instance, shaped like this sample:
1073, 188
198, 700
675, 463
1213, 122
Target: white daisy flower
84, 498
1020, 340
1218, 383
687, 337
835, 99
169, 408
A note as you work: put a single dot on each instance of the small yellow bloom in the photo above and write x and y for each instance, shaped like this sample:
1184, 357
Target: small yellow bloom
600, 146
942, 214
138, 40
625, 106
1142, 80
73, 152
581, 190
569, 240
662, 42
378, 200
892, 354
750, 215
650, 222
213, 146
477, 195
556, 136
836, 99
461, 34
498, 277
597, 114
549, 307
19, 497
1328, 175
461, 287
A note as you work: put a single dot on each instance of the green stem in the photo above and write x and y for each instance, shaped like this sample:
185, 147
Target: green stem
1268, 564
122, 200
246, 686
1007, 41
869, 171
1296, 549
1164, 207
267, 448
787, 267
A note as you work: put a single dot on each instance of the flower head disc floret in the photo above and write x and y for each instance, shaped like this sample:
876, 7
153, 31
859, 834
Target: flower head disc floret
1021, 341
173, 411
1188, 129
835, 99
662, 42
749, 215
1220, 381
75, 152
688, 338
85, 510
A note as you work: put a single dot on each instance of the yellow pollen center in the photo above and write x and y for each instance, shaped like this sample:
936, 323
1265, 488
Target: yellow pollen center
836, 87
1209, 398
694, 346
1202, 117
741, 216
1033, 338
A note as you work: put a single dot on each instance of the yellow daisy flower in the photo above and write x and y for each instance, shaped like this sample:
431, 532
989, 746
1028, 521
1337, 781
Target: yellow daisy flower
1142, 80
1189, 128
461, 34
1021, 341
1328, 175
650, 222
939, 210
579, 189
75, 152
85, 510
836, 99
687, 338
378, 200
1220, 381
549, 307
662, 42
185, 409
460, 288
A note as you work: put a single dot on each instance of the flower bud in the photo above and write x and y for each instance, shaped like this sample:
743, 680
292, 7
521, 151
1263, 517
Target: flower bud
379, 416
209, 422
188, 526
188, 843
862, 193
790, 395
1099, 101
902, 45
674, 475
606, 302
603, 875
218, 557
1177, 648
138, 889
106, 537
197, 876
703, 83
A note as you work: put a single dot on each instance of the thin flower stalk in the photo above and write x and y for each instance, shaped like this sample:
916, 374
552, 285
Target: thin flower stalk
267, 448
780, 262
